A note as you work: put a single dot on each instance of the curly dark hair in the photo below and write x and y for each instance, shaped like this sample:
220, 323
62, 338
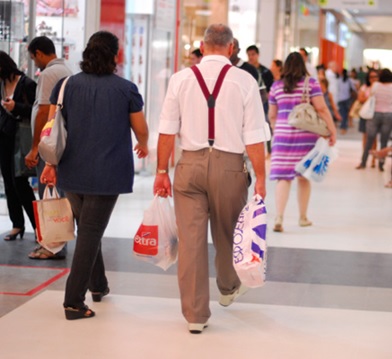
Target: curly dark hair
99, 54
8, 68
294, 70
385, 76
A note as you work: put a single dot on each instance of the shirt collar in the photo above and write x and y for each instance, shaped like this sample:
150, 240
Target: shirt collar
218, 58
54, 62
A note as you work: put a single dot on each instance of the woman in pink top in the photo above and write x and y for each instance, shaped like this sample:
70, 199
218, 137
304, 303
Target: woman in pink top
382, 120
363, 95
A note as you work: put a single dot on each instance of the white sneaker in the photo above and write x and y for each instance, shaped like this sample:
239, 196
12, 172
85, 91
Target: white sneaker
226, 300
197, 328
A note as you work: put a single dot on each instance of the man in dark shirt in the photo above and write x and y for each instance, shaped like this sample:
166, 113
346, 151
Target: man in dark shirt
265, 80
236, 61
253, 58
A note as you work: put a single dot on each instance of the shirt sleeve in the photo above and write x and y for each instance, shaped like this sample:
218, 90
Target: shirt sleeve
255, 127
136, 103
169, 119
315, 89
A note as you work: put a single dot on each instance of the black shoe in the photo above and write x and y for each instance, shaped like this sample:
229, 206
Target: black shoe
72, 313
12, 237
97, 296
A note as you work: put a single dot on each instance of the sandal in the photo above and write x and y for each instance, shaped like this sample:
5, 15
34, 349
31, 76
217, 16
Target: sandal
388, 185
278, 224
40, 252
97, 296
72, 313
304, 222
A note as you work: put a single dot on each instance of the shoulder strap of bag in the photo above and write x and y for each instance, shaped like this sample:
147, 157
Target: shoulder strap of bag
61, 93
305, 92
211, 98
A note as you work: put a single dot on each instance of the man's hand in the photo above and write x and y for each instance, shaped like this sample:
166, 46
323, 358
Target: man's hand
162, 185
260, 188
32, 158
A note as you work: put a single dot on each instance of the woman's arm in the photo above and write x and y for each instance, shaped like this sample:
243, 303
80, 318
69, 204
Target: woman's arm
362, 97
140, 129
323, 111
272, 114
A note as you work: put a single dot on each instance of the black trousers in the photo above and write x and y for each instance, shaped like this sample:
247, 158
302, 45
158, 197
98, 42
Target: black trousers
18, 191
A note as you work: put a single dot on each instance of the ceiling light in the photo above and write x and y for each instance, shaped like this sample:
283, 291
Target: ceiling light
347, 14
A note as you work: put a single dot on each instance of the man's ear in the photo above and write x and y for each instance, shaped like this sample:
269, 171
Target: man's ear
202, 47
230, 49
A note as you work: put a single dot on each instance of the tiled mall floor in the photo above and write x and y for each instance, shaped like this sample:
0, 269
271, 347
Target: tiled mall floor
329, 293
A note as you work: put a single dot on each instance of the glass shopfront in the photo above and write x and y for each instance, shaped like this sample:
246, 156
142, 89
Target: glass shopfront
61, 20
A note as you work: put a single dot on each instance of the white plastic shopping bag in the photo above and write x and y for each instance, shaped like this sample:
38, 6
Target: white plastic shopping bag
249, 245
315, 164
156, 240
54, 220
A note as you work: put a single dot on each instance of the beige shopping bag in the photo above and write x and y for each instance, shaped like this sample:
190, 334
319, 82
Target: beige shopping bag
54, 220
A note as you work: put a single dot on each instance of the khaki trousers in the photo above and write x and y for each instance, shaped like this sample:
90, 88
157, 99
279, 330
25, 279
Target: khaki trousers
207, 185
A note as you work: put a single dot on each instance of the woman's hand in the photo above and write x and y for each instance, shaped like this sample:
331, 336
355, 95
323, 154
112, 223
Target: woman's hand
141, 150
8, 104
49, 175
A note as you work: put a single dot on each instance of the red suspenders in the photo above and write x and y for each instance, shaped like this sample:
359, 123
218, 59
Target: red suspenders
211, 98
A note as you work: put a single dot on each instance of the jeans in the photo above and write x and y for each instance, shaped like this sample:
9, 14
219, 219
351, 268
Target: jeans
92, 214
381, 123
344, 110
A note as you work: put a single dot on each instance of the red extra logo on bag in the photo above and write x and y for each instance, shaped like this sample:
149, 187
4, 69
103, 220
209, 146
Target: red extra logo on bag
146, 240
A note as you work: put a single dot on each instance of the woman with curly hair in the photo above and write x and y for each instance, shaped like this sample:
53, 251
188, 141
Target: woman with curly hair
99, 108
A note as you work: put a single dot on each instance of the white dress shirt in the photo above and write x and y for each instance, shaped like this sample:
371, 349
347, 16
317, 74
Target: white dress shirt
239, 115
333, 84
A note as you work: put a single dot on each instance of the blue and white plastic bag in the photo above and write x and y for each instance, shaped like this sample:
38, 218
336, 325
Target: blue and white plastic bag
249, 244
315, 164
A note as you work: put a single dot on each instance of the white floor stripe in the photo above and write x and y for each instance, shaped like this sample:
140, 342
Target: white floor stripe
144, 327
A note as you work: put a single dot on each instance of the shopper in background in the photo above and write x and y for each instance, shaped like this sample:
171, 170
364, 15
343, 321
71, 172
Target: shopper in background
309, 67
382, 120
209, 181
43, 52
264, 79
363, 95
329, 100
345, 90
290, 144
99, 108
237, 61
276, 69
17, 98
195, 57
332, 75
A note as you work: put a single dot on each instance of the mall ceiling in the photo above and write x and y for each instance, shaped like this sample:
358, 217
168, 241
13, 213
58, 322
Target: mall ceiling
377, 20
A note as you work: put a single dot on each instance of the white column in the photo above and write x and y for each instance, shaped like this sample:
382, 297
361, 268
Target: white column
92, 18
267, 37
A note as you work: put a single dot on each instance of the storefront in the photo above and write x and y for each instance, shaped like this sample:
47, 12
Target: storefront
62, 21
